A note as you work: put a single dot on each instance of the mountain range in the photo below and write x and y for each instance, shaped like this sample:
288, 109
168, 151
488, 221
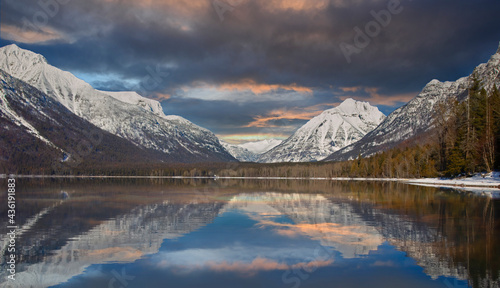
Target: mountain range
416, 117
38, 132
48, 115
251, 151
126, 115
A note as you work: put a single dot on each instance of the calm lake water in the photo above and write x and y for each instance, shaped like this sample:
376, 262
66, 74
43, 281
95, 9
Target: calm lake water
241, 233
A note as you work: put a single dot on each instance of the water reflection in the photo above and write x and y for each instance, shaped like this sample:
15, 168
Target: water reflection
311, 215
307, 234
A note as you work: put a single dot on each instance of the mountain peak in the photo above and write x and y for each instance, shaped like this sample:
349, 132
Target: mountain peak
351, 106
23, 55
134, 98
348, 104
326, 133
262, 146
348, 101
434, 82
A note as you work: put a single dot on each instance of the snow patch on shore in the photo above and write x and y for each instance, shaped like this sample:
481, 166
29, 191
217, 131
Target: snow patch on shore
485, 180
482, 184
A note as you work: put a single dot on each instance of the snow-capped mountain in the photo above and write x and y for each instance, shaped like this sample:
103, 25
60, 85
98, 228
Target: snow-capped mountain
240, 153
416, 117
126, 115
326, 133
250, 151
262, 146
39, 132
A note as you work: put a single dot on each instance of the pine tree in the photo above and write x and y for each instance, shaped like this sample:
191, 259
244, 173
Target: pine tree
445, 122
495, 125
457, 162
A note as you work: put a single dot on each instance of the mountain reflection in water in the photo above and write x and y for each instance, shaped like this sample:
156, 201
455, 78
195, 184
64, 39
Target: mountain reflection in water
187, 233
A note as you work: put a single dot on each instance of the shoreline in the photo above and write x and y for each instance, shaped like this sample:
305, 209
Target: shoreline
460, 183
474, 185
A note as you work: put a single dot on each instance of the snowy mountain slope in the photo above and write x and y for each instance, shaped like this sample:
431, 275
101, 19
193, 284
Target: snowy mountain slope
262, 146
250, 151
326, 133
240, 153
132, 97
415, 117
10, 114
38, 132
128, 117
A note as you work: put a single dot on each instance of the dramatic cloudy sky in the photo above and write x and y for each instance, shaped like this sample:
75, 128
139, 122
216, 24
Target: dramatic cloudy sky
251, 69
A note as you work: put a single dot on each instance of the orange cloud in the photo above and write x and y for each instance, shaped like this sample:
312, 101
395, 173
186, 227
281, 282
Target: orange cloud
288, 233
118, 254
280, 114
185, 6
260, 88
330, 233
337, 232
162, 96
288, 114
296, 5
350, 89
257, 265
18, 34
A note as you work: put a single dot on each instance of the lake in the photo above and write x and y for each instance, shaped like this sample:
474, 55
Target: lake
248, 233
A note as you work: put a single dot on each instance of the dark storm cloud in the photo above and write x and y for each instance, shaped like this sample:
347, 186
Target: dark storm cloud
270, 42
272, 46
227, 117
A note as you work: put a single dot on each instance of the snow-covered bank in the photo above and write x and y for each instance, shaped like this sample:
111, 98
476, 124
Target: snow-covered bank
491, 180
488, 184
